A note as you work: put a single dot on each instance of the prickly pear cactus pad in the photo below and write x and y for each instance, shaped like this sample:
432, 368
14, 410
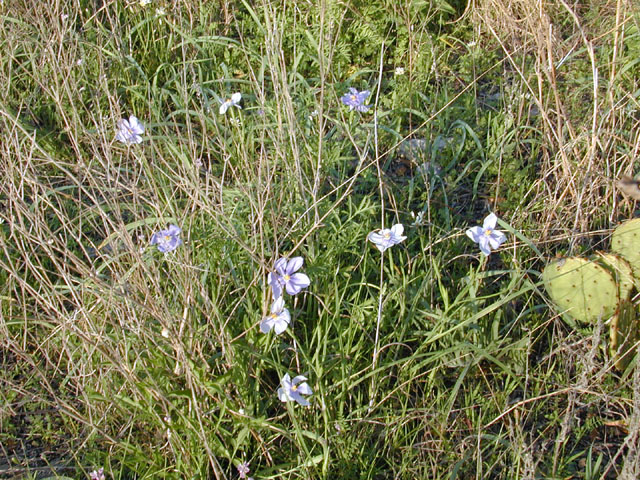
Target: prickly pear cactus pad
625, 241
623, 334
581, 288
621, 272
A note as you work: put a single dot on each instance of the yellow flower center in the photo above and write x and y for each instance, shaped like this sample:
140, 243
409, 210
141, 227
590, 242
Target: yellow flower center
167, 238
353, 98
387, 235
294, 388
286, 278
274, 315
488, 232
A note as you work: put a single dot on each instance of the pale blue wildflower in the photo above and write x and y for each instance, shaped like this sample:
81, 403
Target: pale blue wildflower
278, 319
234, 101
293, 390
487, 237
387, 237
167, 240
355, 100
285, 277
97, 474
243, 469
129, 131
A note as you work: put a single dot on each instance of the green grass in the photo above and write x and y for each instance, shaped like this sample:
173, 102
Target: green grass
430, 361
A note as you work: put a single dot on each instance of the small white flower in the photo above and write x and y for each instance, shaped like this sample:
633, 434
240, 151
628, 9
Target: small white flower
293, 390
399, 71
419, 219
144, 3
243, 469
487, 237
64, 17
160, 11
97, 474
278, 320
234, 101
387, 237
129, 131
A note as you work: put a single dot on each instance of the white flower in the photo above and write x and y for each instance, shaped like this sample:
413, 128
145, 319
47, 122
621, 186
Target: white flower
243, 469
129, 131
278, 319
144, 3
487, 237
387, 237
293, 390
234, 101
399, 71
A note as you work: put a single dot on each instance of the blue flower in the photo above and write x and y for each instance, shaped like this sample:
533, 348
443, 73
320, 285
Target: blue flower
234, 101
487, 237
293, 390
97, 474
285, 277
355, 100
278, 319
387, 237
129, 131
167, 240
243, 469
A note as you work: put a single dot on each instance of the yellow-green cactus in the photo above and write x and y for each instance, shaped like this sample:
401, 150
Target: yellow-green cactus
581, 288
625, 241
623, 334
621, 272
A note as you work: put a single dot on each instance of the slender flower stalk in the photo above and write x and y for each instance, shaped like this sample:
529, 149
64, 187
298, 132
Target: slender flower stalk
382, 239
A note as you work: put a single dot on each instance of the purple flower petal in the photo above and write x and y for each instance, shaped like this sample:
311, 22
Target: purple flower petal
296, 283
294, 265
475, 233
167, 240
483, 243
496, 239
293, 390
280, 265
273, 279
